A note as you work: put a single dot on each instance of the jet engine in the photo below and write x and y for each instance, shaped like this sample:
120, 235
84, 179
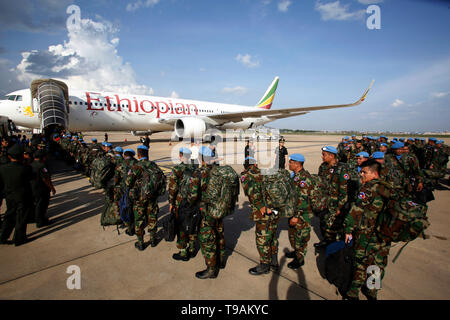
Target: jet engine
190, 127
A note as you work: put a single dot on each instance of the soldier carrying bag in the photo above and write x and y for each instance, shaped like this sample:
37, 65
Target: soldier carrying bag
102, 171
189, 214
153, 183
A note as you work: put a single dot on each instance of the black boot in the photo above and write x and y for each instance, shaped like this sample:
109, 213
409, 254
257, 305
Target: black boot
274, 266
139, 245
296, 263
370, 294
260, 269
210, 272
179, 256
290, 254
153, 242
130, 232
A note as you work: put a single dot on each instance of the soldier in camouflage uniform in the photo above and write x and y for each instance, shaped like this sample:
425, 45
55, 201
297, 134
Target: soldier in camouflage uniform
336, 176
360, 224
354, 151
211, 236
145, 210
300, 224
410, 164
185, 242
266, 222
120, 178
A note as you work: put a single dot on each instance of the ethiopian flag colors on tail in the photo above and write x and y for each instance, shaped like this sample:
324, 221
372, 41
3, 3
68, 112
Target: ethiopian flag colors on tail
267, 99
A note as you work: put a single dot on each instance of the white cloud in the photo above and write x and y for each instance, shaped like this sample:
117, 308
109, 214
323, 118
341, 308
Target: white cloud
397, 103
144, 4
236, 90
283, 5
88, 60
174, 95
370, 1
439, 94
336, 11
246, 60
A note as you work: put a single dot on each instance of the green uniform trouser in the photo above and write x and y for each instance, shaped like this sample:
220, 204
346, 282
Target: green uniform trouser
145, 213
212, 240
41, 202
266, 237
299, 236
369, 251
15, 218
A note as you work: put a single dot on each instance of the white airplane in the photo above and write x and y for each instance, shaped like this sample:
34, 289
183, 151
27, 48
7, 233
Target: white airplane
48, 103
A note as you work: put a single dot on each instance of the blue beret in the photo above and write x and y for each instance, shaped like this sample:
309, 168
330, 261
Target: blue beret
378, 155
410, 139
184, 150
440, 142
81, 140
330, 149
383, 144
297, 157
422, 139
395, 139
363, 154
118, 149
346, 137
129, 150
432, 139
353, 136
402, 139
251, 159
94, 140
142, 147
104, 143
375, 138
383, 137
108, 144
69, 135
205, 151
397, 145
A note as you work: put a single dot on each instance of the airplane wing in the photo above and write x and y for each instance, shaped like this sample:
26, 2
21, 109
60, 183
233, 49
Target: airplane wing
284, 112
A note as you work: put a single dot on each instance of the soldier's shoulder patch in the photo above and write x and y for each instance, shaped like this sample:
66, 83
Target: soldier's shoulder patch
243, 178
302, 184
362, 196
296, 179
331, 170
412, 203
346, 176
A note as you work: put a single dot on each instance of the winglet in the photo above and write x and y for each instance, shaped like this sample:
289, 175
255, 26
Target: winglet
365, 93
267, 98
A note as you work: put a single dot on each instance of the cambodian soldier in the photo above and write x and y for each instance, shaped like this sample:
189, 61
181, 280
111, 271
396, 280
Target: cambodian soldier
145, 207
266, 222
179, 174
120, 177
300, 224
211, 236
360, 224
336, 176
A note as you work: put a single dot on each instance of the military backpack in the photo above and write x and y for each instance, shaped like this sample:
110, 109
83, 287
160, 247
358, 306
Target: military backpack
153, 183
279, 193
102, 170
402, 220
222, 191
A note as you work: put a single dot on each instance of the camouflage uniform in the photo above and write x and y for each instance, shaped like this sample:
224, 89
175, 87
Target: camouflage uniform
175, 198
265, 224
396, 174
211, 235
336, 178
299, 234
361, 223
412, 169
145, 210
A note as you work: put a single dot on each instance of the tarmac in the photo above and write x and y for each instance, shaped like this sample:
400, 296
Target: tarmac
111, 268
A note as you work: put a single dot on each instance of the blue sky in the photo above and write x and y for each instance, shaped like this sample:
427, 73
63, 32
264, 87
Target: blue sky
230, 51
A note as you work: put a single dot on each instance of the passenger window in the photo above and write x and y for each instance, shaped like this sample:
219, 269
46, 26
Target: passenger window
12, 98
75, 102
19, 98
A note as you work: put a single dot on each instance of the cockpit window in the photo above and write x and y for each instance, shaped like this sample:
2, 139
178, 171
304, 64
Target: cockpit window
18, 98
12, 98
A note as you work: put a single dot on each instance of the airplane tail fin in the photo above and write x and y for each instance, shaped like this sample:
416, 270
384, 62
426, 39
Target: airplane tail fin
267, 98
